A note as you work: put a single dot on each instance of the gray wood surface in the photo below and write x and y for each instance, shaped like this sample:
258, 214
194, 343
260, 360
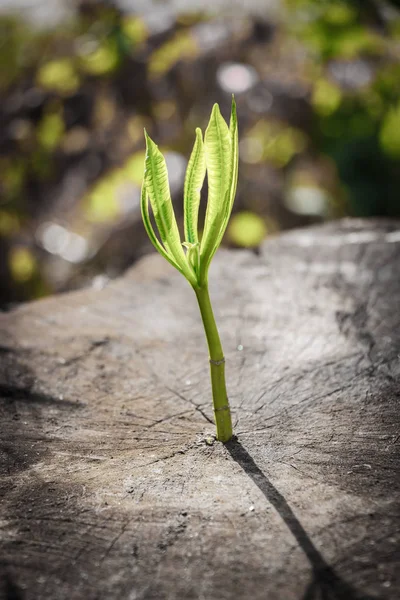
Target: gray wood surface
111, 485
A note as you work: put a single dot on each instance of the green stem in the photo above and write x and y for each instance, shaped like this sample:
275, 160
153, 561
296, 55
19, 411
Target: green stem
217, 366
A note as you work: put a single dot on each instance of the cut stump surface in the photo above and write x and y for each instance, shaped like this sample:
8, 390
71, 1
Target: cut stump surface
112, 485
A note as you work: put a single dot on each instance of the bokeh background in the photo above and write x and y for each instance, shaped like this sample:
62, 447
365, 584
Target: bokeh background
318, 90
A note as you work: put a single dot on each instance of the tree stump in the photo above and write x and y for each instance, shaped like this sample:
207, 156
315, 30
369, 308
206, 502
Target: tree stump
112, 485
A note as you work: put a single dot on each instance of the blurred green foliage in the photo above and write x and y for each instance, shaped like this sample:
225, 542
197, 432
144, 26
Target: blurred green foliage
246, 229
319, 126
356, 93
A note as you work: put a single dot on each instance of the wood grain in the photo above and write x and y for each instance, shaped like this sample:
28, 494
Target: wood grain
110, 489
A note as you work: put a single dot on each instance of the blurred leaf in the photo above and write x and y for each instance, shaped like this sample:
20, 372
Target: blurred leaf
13, 176
390, 133
41, 164
101, 203
134, 167
272, 141
22, 264
134, 29
104, 59
15, 39
286, 144
374, 104
50, 131
326, 97
340, 14
58, 76
333, 30
361, 125
104, 203
246, 229
357, 41
182, 46
387, 83
9, 223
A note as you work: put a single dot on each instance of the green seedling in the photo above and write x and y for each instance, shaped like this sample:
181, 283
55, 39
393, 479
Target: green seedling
218, 155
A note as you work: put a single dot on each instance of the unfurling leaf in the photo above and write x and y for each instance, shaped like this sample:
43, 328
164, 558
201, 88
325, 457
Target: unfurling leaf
156, 187
218, 152
195, 174
218, 155
233, 130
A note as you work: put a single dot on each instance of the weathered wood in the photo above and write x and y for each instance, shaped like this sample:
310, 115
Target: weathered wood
109, 488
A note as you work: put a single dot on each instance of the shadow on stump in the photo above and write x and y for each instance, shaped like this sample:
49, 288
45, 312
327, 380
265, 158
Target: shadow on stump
11, 590
325, 584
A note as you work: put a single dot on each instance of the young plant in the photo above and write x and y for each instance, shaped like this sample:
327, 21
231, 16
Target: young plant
218, 155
